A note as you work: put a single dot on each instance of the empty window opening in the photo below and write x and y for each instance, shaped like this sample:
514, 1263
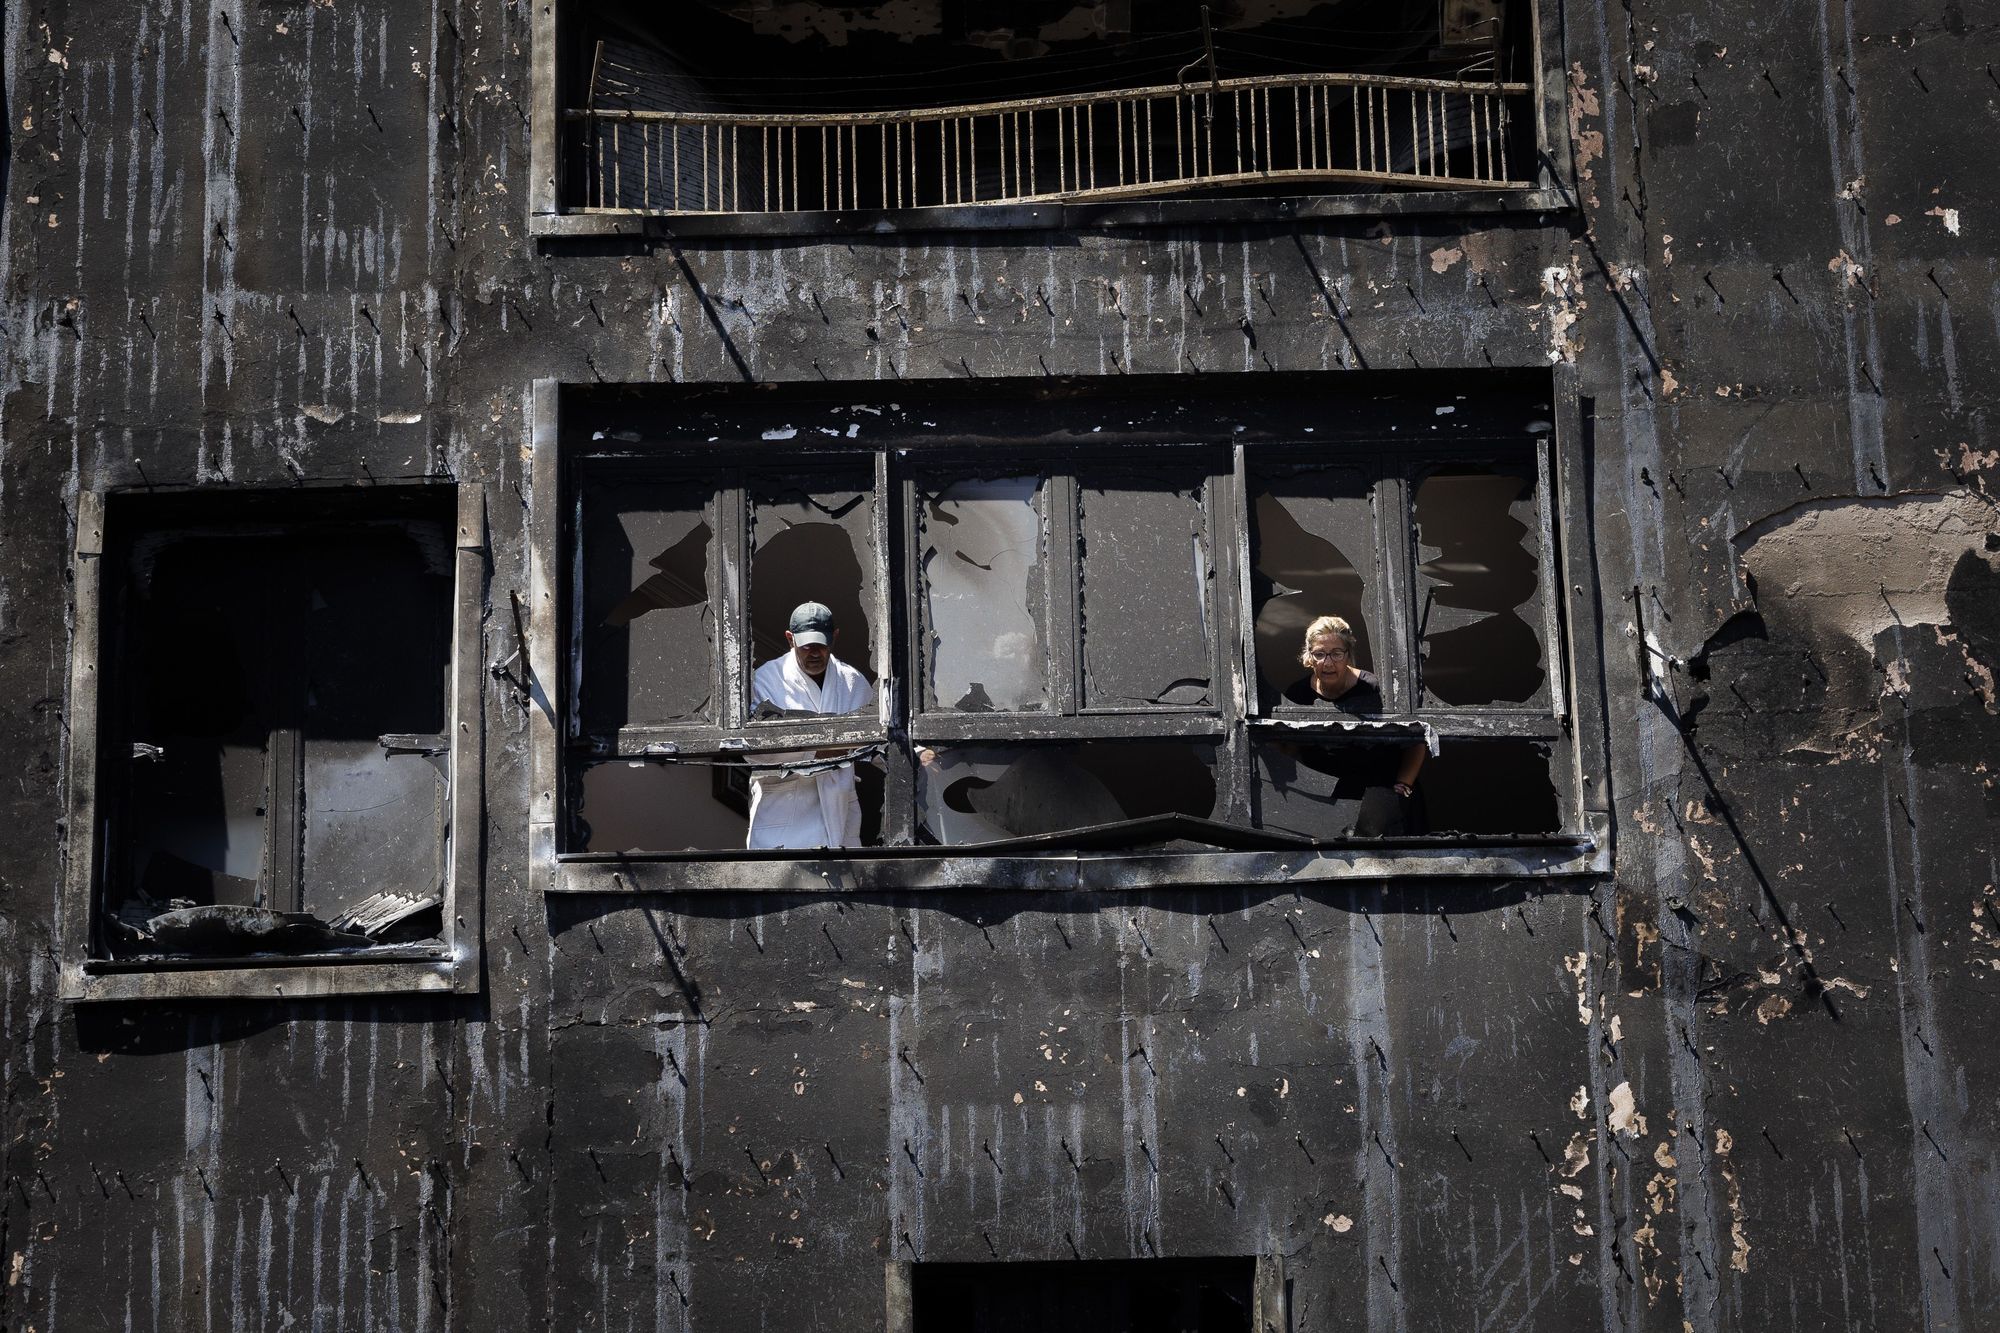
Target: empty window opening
990, 793
1337, 788
1093, 1296
1491, 787
278, 748
648, 624
1479, 587
640, 806
730, 107
1313, 554
808, 545
980, 544
1143, 595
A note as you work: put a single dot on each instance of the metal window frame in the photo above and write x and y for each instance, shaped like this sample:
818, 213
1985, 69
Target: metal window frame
452, 965
730, 730
550, 220
1579, 759
1060, 508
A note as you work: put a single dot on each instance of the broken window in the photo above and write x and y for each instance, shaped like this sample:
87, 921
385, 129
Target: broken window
1102, 643
732, 108
1071, 591
1143, 593
810, 541
274, 725
686, 586
1178, 1295
1479, 586
993, 793
1314, 552
1334, 787
648, 616
1492, 787
980, 550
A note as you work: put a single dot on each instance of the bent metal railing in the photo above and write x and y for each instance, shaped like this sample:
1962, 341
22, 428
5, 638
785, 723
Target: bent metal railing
1128, 144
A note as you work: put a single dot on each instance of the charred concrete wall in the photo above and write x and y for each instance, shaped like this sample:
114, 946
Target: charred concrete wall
1739, 1085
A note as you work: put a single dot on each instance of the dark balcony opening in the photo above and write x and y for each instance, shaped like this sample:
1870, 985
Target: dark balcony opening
939, 103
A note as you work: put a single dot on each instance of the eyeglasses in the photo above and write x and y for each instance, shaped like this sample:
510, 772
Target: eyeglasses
1328, 654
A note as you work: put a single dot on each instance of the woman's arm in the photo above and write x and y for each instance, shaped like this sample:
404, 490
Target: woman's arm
1413, 762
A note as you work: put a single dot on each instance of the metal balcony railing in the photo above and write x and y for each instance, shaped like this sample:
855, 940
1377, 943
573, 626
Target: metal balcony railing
1284, 130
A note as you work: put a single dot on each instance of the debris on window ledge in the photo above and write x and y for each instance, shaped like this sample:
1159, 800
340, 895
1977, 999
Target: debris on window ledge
227, 930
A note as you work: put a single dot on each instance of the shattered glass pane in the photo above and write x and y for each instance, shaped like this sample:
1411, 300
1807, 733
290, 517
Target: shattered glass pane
377, 647
1334, 789
814, 542
979, 546
1312, 554
1143, 601
1496, 786
1479, 607
648, 626
985, 793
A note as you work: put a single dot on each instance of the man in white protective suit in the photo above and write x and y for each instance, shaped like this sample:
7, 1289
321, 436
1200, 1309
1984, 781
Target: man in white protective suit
808, 809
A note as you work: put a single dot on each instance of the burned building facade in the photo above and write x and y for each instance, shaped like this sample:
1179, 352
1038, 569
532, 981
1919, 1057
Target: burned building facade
421, 421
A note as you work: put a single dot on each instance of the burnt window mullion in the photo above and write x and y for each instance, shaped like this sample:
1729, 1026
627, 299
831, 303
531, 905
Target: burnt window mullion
574, 592
1553, 643
729, 593
895, 518
1236, 661
287, 684
1401, 668
1062, 579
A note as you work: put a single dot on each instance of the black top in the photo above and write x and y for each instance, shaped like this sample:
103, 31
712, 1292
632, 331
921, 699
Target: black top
1363, 699
1355, 761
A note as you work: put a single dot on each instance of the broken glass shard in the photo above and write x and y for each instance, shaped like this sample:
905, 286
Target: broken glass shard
1479, 612
987, 793
979, 545
648, 628
1313, 554
1144, 595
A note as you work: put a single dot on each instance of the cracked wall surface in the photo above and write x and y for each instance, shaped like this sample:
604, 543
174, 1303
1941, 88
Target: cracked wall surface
1744, 1082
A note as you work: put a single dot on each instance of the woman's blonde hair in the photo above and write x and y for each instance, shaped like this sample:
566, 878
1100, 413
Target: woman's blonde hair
1320, 629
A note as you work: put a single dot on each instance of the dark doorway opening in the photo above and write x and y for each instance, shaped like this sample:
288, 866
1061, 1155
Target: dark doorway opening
1100, 1296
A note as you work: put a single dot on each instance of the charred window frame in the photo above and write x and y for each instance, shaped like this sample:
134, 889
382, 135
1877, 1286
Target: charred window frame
666, 572
1456, 601
934, 738
226, 834
607, 154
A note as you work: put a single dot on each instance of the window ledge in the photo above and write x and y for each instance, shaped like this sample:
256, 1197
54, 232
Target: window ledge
391, 970
611, 224
925, 870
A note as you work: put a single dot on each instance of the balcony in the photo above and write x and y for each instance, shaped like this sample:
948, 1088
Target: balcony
1262, 135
